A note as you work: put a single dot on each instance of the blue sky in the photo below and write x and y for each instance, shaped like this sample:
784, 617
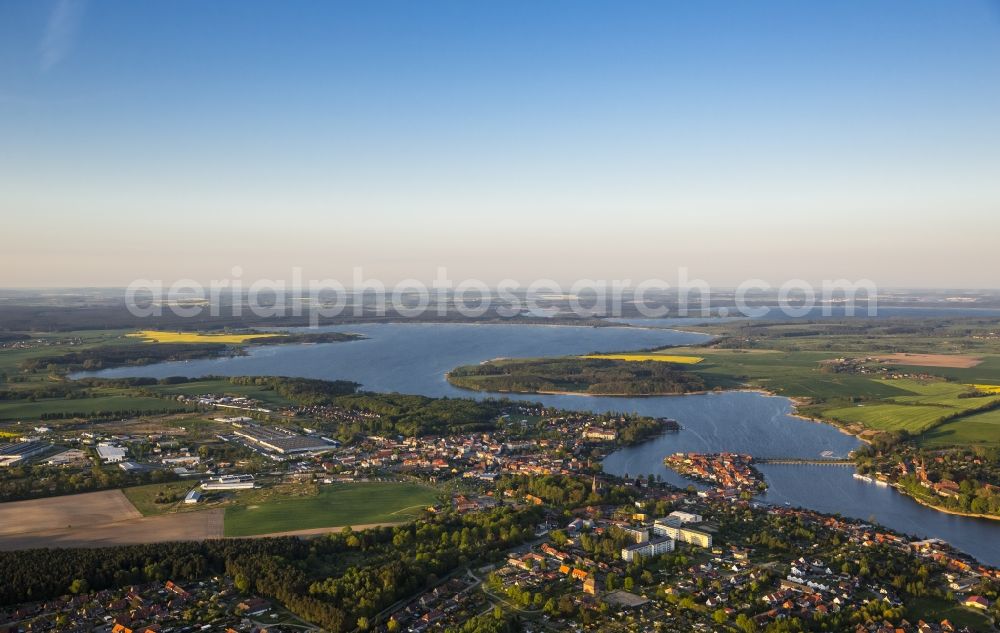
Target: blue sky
506, 139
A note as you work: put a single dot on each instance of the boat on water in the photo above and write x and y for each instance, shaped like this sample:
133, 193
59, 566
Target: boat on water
871, 480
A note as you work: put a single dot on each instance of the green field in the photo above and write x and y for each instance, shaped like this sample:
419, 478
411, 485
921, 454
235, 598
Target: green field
890, 417
939, 393
859, 400
335, 505
127, 399
795, 374
927, 404
976, 429
144, 497
27, 410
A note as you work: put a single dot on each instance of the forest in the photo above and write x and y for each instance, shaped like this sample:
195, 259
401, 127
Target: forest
581, 375
105, 356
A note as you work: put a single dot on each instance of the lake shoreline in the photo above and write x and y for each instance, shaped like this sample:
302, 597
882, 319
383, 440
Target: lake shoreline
990, 517
453, 345
795, 404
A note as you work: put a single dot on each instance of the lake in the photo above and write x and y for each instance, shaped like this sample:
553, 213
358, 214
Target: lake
413, 358
774, 313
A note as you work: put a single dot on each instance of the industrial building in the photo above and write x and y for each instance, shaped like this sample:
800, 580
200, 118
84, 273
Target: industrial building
110, 454
70, 456
229, 482
281, 441
17, 453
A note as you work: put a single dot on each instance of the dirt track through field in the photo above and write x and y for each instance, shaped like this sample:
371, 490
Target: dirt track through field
321, 531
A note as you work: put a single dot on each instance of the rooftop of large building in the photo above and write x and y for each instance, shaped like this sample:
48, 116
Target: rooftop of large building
22, 448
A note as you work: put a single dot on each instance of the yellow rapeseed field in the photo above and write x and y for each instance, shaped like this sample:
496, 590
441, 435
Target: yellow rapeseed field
987, 388
663, 358
157, 336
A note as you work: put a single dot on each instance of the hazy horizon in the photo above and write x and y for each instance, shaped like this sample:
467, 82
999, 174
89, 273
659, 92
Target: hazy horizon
564, 140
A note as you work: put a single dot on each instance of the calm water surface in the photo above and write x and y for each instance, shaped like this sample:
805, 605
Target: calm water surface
413, 358
775, 313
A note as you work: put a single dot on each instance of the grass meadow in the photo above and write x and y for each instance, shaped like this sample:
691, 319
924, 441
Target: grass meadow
334, 506
976, 429
928, 405
109, 400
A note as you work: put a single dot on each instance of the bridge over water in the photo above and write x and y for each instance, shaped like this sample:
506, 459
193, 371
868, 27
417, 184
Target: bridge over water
803, 461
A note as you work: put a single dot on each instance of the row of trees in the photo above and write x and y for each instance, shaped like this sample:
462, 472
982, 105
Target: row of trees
30, 482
